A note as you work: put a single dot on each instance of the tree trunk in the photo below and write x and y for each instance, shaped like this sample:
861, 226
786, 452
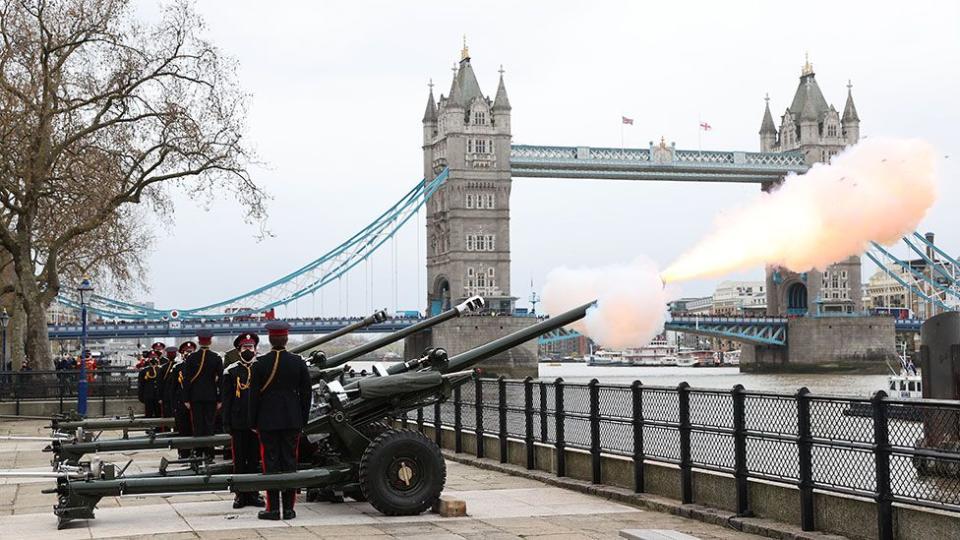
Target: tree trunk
37, 340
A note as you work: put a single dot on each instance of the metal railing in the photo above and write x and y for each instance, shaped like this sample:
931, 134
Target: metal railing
103, 384
887, 450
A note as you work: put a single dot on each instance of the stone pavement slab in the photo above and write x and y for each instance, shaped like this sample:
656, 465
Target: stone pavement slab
499, 506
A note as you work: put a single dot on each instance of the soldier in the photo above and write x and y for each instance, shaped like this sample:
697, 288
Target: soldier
181, 415
235, 393
168, 384
148, 388
233, 354
279, 406
201, 388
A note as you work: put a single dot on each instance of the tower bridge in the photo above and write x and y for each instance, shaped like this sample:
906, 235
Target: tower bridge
469, 162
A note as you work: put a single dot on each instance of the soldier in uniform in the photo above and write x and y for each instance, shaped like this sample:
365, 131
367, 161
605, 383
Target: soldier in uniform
235, 395
279, 406
169, 385
148, 388
233, 354
181, 415
201, 388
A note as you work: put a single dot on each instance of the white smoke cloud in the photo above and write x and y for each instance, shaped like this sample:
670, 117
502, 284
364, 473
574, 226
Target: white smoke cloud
877, 190
631, 301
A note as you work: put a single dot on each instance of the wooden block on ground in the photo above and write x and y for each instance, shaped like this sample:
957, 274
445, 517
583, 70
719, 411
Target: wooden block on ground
450, 507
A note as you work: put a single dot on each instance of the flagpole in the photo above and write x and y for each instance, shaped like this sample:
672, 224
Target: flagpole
623, 155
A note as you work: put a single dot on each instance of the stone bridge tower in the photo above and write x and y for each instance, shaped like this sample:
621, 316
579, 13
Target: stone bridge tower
815, 128
468, 218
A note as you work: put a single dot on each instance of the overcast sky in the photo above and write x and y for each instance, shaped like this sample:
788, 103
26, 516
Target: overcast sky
337, 90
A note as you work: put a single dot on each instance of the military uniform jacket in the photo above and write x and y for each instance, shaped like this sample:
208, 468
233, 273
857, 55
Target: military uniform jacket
235, 395
280, 391
148, 384
201, 376
171, 391
231, 357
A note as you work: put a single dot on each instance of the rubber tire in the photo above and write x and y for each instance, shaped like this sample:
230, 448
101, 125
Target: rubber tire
382, 452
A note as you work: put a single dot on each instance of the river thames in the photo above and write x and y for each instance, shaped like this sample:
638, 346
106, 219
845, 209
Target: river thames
719, 378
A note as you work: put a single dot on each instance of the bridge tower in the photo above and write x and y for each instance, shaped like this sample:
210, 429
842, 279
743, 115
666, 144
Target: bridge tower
815, 128
468, 218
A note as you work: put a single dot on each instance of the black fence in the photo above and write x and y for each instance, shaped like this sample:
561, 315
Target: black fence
103, 384
884, 449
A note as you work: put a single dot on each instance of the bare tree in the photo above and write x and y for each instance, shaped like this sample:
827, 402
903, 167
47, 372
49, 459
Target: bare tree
99, 112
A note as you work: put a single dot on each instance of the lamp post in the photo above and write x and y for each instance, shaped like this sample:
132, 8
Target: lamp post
4, 319
86, 291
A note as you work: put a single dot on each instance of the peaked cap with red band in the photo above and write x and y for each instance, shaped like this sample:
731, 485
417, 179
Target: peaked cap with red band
246, 336
204, 337
278, 328
158, 346
187, 344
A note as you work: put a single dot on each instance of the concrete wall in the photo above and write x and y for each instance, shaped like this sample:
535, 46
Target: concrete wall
463, 333
859, 344
818, 344
852, 517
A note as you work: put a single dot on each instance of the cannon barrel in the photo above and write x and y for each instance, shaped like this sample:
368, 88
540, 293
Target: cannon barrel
377, 317
468, 359
72, 452
472, 304
122, 423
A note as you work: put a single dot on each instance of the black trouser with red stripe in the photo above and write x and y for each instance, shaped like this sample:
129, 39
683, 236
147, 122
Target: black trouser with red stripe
246, 453
278, 451
202, 414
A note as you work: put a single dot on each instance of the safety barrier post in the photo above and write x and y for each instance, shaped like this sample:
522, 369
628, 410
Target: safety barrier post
594, 388
502, 410
457, 420
559, 417
544, 432
686, 464
638, 457
528, 420
437, 425
881, 451
740, 449
805, 453
478, 430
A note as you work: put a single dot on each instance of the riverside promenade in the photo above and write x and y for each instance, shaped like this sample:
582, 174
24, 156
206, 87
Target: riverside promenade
499, 506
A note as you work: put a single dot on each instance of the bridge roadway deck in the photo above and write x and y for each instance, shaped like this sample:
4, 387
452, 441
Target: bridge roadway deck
500, 506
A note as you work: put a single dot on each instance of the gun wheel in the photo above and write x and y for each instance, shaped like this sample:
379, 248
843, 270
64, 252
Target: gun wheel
402, 473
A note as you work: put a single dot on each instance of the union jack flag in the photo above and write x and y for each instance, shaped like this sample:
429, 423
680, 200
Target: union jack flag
705, 126
627, 121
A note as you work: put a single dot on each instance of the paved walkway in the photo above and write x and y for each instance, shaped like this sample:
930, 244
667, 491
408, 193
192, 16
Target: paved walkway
499, 506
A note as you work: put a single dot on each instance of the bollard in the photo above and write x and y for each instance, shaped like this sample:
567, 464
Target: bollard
638, 458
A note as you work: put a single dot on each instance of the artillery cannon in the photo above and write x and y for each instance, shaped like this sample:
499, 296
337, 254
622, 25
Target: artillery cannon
70, 453
400, 472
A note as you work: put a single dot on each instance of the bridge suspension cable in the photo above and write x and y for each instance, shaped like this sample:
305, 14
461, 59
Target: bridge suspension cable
306, 280
917, 276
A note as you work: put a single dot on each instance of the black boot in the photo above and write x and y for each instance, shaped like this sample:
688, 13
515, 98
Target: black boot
254, 499
240, 500
272, 515
289, 514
